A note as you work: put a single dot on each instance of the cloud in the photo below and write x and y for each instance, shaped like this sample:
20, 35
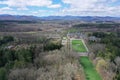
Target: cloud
23, 3
26, 3
85, 4
67, 7
5, 8
22, 8
54, 6
91, 7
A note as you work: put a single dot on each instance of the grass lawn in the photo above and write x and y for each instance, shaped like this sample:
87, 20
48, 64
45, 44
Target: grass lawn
72, 30
64, 38
89, 69
78, 46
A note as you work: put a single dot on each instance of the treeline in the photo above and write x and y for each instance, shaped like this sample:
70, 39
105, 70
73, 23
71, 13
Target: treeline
10, 59
52, 46
16, 21
24, 57
52, 65
97, 25
99, 34
5, 23
111, 51
112, 42
14, 26
6, 39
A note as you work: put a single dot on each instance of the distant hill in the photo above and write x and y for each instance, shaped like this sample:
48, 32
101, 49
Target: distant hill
82, 18
18, 17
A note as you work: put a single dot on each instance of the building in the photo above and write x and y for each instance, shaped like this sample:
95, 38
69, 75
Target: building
75, 35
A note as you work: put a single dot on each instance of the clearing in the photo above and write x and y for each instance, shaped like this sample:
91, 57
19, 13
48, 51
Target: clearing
89, 69
78, 46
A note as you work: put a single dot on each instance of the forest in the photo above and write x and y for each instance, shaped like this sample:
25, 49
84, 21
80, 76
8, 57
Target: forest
109, 50
33, 51
12, 59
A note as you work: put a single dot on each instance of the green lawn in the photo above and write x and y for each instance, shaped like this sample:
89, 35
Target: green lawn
64, 38
72, 30
89, 69
78, 46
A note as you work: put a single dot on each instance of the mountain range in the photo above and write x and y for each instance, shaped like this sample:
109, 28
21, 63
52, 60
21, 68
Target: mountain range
82, 18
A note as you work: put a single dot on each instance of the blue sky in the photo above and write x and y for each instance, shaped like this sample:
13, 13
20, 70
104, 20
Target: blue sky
61, 7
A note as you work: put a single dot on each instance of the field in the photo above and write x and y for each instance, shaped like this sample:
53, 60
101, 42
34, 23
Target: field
90, 72
78, 46
89, 69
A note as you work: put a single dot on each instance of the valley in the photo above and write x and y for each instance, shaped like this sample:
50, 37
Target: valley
59, 50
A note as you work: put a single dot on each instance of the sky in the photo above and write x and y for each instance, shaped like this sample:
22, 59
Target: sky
61, 7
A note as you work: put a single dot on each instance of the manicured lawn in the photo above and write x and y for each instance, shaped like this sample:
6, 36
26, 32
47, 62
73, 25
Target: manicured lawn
89, 69
78, 46
72, 30
64, 38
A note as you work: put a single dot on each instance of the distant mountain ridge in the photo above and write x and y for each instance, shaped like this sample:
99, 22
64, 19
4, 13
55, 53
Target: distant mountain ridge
18, 17
82, 18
